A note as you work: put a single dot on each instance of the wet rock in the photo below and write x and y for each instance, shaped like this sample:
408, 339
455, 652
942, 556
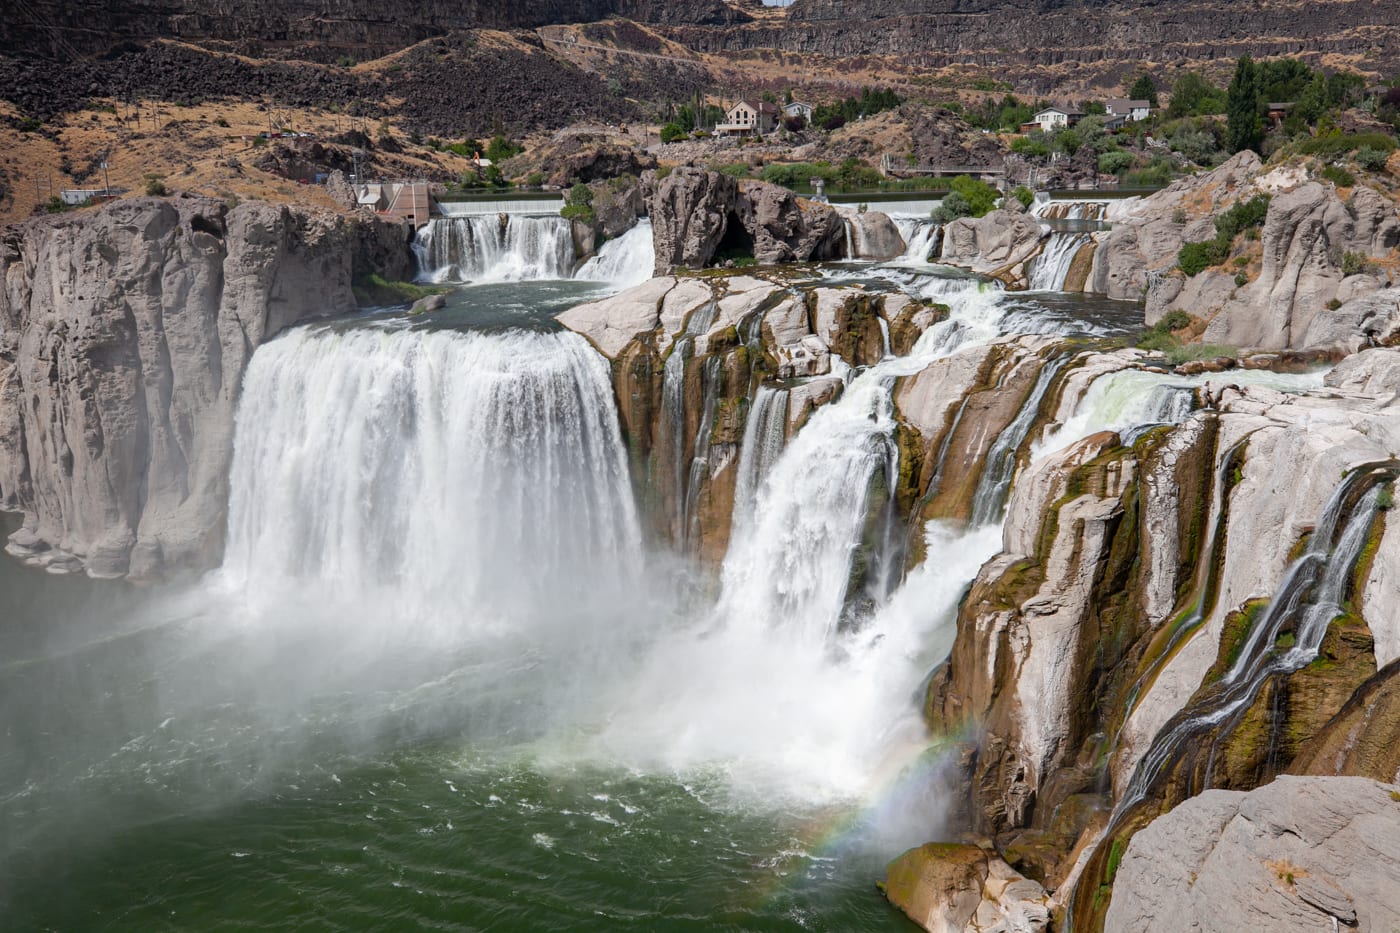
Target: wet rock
697, 213
428, 304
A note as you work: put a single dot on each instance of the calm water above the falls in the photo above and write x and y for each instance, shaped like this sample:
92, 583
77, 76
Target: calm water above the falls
432, 687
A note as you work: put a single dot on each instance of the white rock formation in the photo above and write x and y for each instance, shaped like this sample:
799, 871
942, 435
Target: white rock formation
1299, 854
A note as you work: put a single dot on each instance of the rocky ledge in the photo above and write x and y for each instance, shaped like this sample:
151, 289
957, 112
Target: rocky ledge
1299, 854
124, 333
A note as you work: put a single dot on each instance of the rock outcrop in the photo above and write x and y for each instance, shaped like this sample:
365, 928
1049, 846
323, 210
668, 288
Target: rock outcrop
950, 888
1297, 854
688, 355
697, 215
123, 338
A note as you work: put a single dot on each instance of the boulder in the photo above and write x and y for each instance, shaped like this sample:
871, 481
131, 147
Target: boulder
954, 888
1300, 853
873, 236
991, 245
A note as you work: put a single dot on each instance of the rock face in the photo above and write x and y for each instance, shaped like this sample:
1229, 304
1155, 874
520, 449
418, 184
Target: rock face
696, 214
361, 24
1297, 854
123, 338
873, 236
1295, 293
1098, 36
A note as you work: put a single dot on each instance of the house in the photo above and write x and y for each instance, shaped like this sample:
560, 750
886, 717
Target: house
1132, 110
1278, 111
801, 109
750, 116
1114, 122
1053, 118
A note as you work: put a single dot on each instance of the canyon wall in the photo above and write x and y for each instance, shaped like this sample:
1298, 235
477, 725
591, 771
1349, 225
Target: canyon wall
124, 333
55, 29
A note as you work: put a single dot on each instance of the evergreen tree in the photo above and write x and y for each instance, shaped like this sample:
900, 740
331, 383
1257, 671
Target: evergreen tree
1243, 127
1144, 89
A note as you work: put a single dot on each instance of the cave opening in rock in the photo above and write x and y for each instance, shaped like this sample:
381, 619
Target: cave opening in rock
737, 242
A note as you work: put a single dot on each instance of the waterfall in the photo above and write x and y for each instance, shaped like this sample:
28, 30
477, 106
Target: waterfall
495, 248
1309, 597
765, 433
792, 570
1051, 267
920, 238
990, 497
625, 261
460, 472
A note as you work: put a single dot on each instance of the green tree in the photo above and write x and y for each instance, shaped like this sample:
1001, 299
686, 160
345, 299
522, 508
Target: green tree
1193, 95
673, 131
1144, 88
1243, 127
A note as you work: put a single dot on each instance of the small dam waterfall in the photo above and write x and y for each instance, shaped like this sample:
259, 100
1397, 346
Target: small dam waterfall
495, 248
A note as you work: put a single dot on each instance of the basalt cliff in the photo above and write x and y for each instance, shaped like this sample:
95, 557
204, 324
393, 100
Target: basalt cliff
124, 334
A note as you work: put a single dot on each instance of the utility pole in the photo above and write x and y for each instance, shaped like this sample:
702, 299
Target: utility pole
106, 183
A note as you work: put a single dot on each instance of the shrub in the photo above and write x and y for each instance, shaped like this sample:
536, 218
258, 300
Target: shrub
56, 205
1334, 304
1195, 258
1332, 146
1242, 216
736, 169
1338, 176
534, 180
155, 186
1187, 352
672, 132
1241, 280
1111, 163
980, 196
1027, 146
220, 121
1174, 320
579, 204
1023, 194
1371, 159
1157, 341
1356, 263
953, 206
500, 149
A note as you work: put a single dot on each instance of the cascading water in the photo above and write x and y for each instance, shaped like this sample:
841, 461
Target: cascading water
1309, 596
624, 261
992, 489
495, 248
1051, 268
920, 238
429, 467
765, 433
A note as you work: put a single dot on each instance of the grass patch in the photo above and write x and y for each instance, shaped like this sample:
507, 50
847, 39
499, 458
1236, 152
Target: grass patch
1190, 352
375, 290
